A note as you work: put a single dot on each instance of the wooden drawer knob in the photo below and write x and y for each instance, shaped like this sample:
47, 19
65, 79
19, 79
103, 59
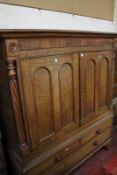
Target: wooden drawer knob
98, 131
58, 158
95, 144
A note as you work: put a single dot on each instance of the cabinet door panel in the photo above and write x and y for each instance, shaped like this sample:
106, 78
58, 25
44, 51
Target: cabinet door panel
39, 86
43, 101
69, 92
105, 81
90, 87
51, 97
95, 84
88, 78
66, 94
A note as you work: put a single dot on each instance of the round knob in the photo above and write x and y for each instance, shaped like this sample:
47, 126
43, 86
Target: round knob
58, 158
98, 132
95, 143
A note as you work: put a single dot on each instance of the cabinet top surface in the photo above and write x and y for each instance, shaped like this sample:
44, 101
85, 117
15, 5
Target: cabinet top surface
35, 33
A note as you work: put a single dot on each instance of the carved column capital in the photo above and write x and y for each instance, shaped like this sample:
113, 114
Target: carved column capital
11, 66
12, 47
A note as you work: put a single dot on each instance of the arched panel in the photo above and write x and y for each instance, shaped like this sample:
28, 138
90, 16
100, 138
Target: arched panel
43, 102
103, 82
90, 87
66, 94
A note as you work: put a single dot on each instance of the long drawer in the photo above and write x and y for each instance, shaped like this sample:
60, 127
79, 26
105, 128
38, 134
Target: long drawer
88, 141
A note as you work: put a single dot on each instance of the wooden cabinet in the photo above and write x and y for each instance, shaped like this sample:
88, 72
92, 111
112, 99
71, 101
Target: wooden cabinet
56, 99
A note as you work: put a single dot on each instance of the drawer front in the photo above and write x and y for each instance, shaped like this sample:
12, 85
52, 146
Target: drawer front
75, 158
97, 130
56, 158
68, 150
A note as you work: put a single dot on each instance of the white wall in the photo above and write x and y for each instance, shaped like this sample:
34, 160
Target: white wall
16, 17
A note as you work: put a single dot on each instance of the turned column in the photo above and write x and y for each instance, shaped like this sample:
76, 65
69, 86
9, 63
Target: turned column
16, 103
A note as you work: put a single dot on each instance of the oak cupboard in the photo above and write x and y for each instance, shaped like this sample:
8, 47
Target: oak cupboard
56, 98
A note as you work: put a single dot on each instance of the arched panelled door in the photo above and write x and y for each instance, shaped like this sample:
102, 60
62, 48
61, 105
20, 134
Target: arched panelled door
52, 97
95, 82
